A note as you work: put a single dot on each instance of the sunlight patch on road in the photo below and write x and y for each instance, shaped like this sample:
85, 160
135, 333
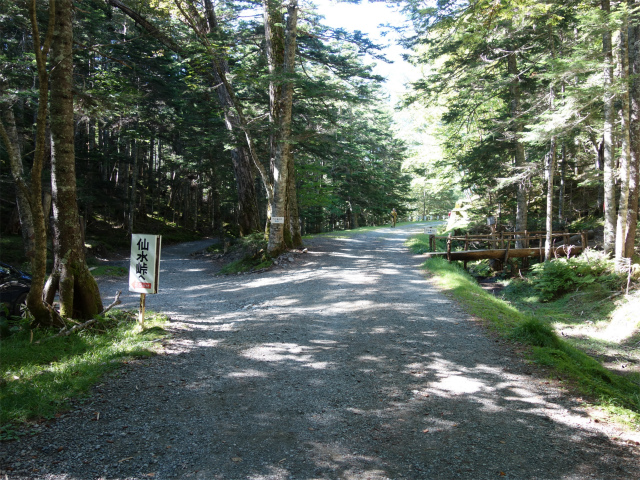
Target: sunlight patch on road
283, 302
459, 384
383, 330
248, 373
225, 327
388, 271
524, 395
324, 342
279, 352
371, 358
341, 307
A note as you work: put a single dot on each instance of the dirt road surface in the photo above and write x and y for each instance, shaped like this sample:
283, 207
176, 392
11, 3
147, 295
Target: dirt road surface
345, 363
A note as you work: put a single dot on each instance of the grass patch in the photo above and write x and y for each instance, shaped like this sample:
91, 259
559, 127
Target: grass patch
616, 394
40, 375
105, 270
419, 244
246, 264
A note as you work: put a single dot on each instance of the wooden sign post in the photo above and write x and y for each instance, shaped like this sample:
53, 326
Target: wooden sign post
144, 268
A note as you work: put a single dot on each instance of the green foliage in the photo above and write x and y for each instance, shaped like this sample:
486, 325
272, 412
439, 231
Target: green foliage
585, 223
40, 374
534, 332
12, 250
480, 268
419, 244
554, 51
554, 278
252, 249
11, 324
110, 271
246, 264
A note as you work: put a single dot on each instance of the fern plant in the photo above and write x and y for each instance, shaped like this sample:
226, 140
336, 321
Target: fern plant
552, 279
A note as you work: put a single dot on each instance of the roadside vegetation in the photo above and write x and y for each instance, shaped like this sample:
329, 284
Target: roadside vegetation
243, 254
572, 317
41, 374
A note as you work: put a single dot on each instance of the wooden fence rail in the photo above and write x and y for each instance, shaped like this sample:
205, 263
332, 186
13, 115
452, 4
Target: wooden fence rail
499, 245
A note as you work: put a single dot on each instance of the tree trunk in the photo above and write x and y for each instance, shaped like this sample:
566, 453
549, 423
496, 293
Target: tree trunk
550, 172
625, 152
248, 215
134, 186
521, 196
215, 207
551, 166
563, 171
281, 49
43, 314
609, 167
22, 201
79, 294
292, 207
634, 134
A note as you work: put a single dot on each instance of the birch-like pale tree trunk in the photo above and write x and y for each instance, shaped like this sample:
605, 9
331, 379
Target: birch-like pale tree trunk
550, 173
609, 166
634, 132
563, 180
280, 42
550, 169
519, 153
625, 150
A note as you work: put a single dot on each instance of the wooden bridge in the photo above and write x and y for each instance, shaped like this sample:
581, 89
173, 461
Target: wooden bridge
503, 246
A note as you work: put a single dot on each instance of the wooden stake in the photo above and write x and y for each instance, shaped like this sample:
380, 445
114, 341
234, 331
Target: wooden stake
143, 301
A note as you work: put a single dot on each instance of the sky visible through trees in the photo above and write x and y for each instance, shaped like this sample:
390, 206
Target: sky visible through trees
371, 18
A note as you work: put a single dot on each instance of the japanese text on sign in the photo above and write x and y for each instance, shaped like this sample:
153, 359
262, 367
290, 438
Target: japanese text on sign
144, 263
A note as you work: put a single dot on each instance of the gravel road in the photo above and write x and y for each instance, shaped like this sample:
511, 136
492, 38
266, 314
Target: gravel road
346, 363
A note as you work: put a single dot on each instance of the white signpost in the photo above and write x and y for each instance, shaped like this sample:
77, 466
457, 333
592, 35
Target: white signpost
430, 230
144, 267
277, 219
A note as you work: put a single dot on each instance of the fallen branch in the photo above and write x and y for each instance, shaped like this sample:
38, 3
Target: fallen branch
116, 301
64, 332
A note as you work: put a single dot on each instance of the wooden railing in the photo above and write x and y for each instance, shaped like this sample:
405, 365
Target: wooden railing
499, 245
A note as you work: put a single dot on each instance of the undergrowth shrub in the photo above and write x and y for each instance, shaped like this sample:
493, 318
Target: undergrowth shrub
552, 279
481, 268
253, 251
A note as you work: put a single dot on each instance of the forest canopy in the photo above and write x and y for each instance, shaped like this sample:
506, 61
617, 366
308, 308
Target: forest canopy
177, 110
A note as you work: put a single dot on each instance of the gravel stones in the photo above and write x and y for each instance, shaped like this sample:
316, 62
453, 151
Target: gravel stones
348, 364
